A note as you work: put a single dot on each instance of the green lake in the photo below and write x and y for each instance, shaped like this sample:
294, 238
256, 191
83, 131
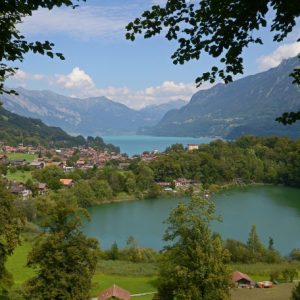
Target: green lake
274, 209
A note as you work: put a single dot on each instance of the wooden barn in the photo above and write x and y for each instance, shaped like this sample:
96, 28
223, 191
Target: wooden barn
114, 292
241, 279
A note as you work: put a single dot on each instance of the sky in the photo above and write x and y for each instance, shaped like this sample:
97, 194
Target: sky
101, 62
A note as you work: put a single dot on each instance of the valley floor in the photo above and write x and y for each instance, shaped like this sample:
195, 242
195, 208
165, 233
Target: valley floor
279, 292
142, 277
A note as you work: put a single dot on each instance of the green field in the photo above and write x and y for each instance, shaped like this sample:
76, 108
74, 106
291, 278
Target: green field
262, 271
28, 157
19, 176
141, 278
16, 265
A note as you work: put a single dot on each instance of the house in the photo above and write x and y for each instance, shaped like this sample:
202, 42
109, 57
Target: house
38, 164
80, 163
3, 159
240, 279
68, 169
66, 182
9, 149
20, 191
42, 188
114, 292
164, 184
192, 147
124, 166
182, 182
18, 162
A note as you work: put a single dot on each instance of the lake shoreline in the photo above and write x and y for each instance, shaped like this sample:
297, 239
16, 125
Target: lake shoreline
239, 206
180, 194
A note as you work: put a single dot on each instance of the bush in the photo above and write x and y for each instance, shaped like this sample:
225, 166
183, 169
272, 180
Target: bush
274, 276
289, 274
296, 292
295, 254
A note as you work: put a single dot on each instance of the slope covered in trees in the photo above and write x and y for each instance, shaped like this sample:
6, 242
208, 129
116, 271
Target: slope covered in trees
246, 106
15, 129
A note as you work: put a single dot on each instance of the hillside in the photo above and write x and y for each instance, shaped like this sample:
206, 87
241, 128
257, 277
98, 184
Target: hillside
246, 106
90, 116
15, 129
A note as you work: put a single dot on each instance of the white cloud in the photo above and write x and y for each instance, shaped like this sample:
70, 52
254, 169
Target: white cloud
21, 76
79, 84
77, 79
275, 58
84, 22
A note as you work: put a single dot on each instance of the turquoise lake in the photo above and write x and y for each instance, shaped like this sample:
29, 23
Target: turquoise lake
137, 144
274, 209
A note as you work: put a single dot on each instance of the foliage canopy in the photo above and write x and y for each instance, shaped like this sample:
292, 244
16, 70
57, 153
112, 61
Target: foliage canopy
222, 29
14, 45
193, 265
10, 228
64, 258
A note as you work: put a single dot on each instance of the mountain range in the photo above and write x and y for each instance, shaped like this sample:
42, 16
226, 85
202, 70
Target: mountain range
246, 106
91, 116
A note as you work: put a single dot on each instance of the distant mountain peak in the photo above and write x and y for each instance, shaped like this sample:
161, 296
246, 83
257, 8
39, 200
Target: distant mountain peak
89, 116
246, 106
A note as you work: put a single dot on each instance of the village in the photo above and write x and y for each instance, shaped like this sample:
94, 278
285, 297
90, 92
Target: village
75, 158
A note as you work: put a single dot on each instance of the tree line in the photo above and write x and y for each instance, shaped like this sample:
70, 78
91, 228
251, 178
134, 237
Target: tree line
249, 159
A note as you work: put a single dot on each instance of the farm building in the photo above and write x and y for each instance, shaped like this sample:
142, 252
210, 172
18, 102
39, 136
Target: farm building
241, 279
114, 292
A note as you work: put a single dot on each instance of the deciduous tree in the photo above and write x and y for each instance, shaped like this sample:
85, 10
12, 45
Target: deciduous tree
221, 29
14, 45
10, 227
193, 264
63, 257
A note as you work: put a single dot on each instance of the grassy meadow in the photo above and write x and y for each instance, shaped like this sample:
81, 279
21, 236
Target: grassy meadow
19, 175
28, 157
142, 277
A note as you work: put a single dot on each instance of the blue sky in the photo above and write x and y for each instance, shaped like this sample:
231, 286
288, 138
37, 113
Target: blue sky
99, 61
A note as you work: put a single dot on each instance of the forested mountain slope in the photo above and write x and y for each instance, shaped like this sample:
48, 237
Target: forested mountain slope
246, 106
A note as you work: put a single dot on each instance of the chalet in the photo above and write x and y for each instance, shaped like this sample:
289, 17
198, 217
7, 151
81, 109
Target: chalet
68, 169
114, 292
20, 191
241, 280
192, 147
37, 164
164, 184
182, 182
80, 163
124, 166
66, 182
9, 149
42, 188
22, 149
18, 162
3, 159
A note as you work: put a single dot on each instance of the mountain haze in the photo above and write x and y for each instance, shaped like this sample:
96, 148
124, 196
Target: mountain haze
15, 129
245, 106
90, 116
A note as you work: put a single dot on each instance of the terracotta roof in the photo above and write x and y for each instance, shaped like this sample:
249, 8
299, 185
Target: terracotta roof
114, 291
66, 181
237, 276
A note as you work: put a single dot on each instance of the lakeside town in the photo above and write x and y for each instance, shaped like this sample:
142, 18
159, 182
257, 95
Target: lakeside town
70, 159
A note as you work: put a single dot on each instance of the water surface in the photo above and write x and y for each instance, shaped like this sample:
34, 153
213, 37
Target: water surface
137, 144
274, 210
